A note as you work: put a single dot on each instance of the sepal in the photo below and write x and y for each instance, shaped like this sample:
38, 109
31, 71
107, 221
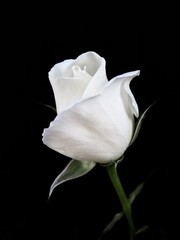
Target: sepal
73, 170
139, 123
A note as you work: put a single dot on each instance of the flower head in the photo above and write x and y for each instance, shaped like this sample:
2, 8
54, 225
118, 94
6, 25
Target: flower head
95, 117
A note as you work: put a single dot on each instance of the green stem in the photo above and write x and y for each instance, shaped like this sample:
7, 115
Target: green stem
122, 197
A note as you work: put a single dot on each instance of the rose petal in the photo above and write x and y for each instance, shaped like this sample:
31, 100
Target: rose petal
99, 79
97, 129
131, 100
73, 79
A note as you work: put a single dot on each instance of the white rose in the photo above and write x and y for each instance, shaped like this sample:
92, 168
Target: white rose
95, 117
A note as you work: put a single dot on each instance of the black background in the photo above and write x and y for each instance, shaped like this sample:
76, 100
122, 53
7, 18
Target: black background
130, 37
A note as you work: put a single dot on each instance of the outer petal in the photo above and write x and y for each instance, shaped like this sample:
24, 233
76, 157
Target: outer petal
73, 79
128, 96
97, 129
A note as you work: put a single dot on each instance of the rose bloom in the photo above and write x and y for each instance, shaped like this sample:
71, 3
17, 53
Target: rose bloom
95, 117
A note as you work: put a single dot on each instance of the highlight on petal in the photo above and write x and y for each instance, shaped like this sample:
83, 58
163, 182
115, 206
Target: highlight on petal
73, 170
97, 129
73, 79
